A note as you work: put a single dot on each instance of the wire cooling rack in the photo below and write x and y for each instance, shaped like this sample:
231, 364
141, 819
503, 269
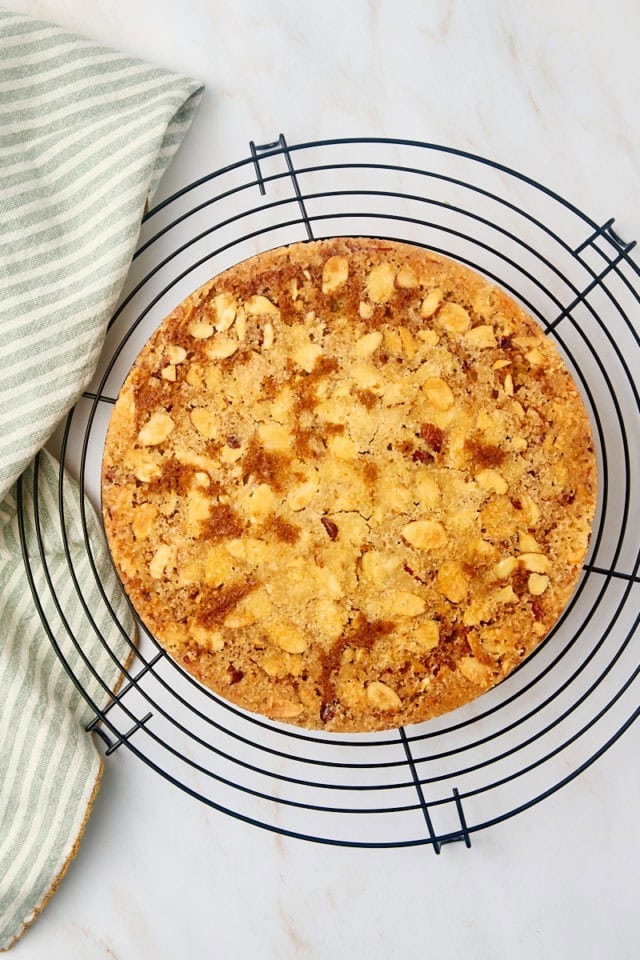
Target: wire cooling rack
447, 779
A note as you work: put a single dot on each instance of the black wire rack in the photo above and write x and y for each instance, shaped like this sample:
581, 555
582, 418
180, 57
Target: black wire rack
442, 781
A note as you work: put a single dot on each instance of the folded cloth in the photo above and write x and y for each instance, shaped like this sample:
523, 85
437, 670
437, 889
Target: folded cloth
85, 135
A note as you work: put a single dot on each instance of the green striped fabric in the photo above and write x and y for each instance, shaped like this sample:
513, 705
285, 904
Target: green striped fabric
85, 135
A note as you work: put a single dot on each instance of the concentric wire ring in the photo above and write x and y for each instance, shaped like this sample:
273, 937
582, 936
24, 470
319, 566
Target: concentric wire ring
444, 780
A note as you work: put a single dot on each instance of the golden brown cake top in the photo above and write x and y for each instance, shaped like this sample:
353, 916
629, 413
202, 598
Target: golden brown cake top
349, 484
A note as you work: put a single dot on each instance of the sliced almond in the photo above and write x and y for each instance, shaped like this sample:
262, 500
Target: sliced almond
491, 480
504, 568
201, 330
156, 430
537, 584
382, 696
145, 465
481, 337
428, 634
204, 422
535, 357
474, 671
226, 306
404, 603
176, 354
439, 393
368, 344
408, 343
268, 336
431, 303
452, 581
535, 562
425, 534
453, 318
380, 282
334, 273
259, 305
221, 347
407, 279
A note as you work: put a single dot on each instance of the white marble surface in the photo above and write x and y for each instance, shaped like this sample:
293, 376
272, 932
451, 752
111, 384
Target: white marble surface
550, 88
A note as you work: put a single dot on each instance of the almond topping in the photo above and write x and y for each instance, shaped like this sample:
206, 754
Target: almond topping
535, 358
260, 305
225, 306
438, 393
221, 347
300, 497
481, 337
530, 510
334, 273
176, 354
380, 283
241, 325
156, 430
535, 562
407, 279
528, 543
201, 330
274, 437
453, 318
404, 603
431, 303
368, 344
204, 422
195, 375
164, 557
537, 584
425, 534
505, 595
307, 356
428, 634
145, 466
452, 581
284, 709
492, 480
392, 341
430, 337
267, 339
143, 519
504, 568
474, 671
383, 697
408, 342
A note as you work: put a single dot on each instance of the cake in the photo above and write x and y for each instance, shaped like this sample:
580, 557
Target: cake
349, 484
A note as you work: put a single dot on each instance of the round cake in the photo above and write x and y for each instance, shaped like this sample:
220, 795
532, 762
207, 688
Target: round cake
349, 484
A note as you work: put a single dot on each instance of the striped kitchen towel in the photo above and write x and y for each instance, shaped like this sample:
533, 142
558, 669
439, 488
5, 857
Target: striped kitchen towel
85, 135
